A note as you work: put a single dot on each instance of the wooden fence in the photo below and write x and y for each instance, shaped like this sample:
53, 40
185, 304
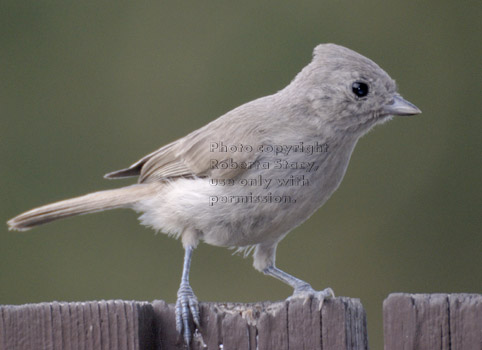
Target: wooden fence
419, 321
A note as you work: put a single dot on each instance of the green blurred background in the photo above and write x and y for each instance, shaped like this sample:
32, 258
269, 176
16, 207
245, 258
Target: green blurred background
90, 88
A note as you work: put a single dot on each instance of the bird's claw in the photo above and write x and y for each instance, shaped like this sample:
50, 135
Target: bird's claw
186, 305
306, 292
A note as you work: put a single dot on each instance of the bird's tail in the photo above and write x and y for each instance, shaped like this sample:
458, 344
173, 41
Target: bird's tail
92, 202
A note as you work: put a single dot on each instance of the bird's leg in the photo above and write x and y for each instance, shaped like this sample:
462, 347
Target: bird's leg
301, 288
186, 303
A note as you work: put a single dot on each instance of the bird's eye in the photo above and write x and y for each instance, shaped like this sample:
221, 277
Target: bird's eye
360, 89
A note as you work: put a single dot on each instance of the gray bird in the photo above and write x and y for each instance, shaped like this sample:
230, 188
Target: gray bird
249, 177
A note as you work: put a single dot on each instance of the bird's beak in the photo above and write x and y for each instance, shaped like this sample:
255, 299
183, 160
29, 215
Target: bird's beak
399, 106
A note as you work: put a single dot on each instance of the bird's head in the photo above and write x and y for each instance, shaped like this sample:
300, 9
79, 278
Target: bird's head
348, 91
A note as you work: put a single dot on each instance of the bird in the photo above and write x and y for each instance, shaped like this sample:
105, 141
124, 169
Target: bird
249, 177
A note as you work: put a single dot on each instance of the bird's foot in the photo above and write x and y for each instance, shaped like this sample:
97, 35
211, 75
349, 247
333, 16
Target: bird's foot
306, 292
186, 306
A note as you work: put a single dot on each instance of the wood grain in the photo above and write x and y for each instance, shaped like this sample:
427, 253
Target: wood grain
433, 321
122, 325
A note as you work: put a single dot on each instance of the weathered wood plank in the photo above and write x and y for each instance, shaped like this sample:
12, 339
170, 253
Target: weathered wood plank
272, 325
296, 324
433, 321
344, 326
71, 326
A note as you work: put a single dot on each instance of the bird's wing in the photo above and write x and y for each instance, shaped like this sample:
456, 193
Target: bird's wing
196, 154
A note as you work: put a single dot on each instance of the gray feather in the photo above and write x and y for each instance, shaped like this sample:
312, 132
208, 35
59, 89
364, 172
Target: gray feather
97, 201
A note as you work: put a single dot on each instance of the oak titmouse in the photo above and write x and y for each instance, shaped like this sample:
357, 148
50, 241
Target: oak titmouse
249, 177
